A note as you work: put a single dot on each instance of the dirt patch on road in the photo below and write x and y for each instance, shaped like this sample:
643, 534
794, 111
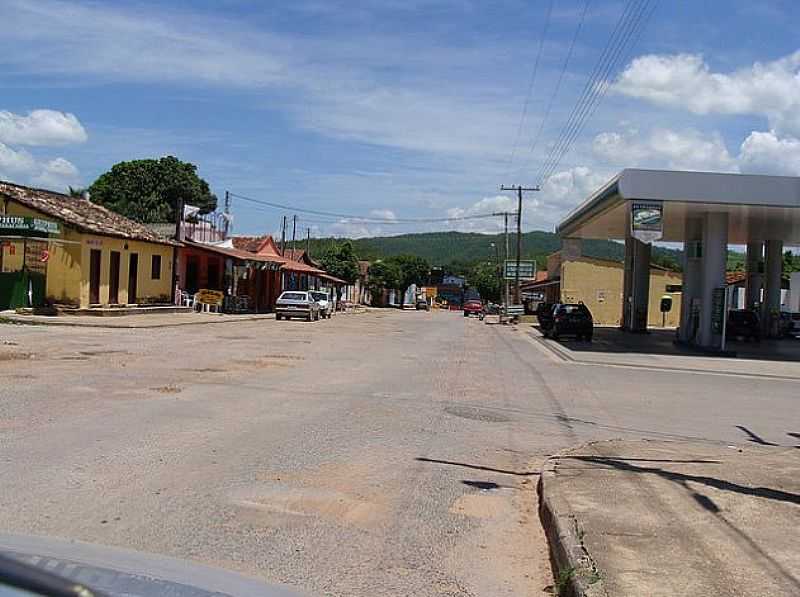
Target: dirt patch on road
168, 389
14, 356
269, 504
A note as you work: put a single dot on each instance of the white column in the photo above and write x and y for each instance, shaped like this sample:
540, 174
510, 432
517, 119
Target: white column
714, 261
773, 268
692, 284
636, 285
755, 271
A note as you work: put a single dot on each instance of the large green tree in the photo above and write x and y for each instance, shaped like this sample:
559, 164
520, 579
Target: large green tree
485, 278
384, 275
341, 261
413, 270
149, 190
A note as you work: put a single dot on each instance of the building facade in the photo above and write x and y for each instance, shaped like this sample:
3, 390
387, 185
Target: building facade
62, 250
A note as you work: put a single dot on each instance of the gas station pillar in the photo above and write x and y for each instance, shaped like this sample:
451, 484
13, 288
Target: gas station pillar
713, 265
755, 275
692, 287
636, 285
773, 257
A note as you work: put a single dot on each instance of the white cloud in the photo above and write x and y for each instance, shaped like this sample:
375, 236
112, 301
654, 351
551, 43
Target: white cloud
663, 148
768, 89
15, 162
385, 214
41, 127
22, 167
767, 153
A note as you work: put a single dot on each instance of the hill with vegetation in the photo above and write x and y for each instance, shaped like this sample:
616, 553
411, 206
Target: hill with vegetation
457, 251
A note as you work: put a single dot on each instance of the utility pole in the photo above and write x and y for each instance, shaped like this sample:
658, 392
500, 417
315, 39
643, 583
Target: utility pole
294, 231
283, 237
227, 213
519, 189
505, 215
308, 242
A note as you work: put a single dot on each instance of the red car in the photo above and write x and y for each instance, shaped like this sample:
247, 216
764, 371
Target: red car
473, 307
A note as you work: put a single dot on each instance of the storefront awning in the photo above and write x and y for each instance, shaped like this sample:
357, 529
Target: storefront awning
235, 253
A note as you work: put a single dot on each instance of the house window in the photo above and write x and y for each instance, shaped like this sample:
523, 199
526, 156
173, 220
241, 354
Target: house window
155, 270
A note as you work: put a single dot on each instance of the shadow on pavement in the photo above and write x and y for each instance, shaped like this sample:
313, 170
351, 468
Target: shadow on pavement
662, 342
477, 467
682, 478
754, 437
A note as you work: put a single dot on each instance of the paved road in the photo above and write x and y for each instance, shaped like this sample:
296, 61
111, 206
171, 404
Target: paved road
389, 453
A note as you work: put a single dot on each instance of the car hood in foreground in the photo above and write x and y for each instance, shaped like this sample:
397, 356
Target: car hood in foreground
121, 572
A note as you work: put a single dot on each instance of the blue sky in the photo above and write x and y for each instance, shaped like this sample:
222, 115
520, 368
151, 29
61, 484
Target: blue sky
405, 109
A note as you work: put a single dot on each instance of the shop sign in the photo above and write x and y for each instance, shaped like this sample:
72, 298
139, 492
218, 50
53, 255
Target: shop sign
23, 224
647, 222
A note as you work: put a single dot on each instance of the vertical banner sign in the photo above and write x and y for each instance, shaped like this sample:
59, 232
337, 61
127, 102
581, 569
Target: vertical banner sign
647, 220
717, 310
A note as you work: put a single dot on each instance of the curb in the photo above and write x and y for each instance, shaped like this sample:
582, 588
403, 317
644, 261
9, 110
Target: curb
22, 320
575, 573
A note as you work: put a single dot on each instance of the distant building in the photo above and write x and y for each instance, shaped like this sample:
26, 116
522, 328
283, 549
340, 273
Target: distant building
452, 280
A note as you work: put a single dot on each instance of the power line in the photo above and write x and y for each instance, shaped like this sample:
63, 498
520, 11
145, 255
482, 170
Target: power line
629, 25
530, 85
367, 219
560, 77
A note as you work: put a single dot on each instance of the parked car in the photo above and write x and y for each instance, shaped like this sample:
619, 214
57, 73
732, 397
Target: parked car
786, 325
324, 302
743, 323
297, 303
422, 305
569, 319
473, 307
544, 313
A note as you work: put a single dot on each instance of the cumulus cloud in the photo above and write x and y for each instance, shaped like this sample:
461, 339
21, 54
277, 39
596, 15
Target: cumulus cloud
41, 127
767, 153
768, 89
57, 174
664, 148
14, 162
385, 214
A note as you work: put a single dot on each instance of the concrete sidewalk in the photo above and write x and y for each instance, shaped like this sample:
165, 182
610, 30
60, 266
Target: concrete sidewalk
633, 518
778, 359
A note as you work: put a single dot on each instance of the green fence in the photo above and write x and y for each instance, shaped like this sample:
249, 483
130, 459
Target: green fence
14, 288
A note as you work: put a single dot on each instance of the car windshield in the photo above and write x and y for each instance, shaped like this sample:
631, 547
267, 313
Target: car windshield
402, 297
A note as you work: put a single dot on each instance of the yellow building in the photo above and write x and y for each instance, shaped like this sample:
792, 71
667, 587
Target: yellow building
598, 283
62, 250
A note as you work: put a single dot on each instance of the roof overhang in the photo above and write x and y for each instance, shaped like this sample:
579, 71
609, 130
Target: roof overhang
759, 207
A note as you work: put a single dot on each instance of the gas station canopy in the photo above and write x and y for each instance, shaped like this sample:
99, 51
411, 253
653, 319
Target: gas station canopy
759, 207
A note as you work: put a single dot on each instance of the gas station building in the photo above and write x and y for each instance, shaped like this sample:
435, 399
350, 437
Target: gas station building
706, 212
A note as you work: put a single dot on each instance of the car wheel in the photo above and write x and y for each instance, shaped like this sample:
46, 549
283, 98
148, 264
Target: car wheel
554, 335
466, 314
278, 317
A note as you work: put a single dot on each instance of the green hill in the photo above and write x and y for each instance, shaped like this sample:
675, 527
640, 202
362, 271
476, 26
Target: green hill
460, 249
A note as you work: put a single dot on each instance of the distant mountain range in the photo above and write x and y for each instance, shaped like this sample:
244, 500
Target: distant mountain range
460, 249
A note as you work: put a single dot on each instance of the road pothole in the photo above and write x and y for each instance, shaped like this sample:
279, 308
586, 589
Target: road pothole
485, 415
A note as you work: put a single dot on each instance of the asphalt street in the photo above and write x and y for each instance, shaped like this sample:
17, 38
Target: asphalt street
387, 453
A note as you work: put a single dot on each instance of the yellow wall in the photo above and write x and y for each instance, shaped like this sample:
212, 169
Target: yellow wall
68, 265
599, 285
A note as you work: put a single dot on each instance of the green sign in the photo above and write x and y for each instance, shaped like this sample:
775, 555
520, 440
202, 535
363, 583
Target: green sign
527, 270
27, 226
717, 310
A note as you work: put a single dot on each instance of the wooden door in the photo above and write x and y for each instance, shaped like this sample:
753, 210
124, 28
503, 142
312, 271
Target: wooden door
113, 278
133, 277
95, 256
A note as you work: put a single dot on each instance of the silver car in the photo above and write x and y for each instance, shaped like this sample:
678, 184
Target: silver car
324, 302
297, 303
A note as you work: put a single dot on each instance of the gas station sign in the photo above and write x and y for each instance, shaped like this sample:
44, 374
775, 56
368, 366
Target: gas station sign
647, 222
